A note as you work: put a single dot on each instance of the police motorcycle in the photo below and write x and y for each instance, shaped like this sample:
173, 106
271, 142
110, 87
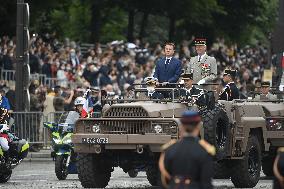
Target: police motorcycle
65, 158
12, 151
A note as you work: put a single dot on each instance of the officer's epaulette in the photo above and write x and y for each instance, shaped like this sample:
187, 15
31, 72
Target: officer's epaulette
281, 149
208, 147
167, 145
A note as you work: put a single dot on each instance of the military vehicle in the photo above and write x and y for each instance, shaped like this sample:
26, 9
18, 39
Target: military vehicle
130, 134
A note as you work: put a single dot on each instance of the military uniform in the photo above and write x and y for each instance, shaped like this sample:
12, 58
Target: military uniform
202, 68
230, 91
191, 168
268, 96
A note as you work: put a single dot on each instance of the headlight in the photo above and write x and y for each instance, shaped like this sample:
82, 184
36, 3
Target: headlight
173, 129
67, 141
96, 129
158, 129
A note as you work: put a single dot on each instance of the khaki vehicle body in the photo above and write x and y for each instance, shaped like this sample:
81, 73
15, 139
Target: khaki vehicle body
130, 126
248, 117
246, 135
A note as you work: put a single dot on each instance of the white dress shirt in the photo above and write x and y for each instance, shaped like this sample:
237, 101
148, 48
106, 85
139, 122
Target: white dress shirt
201, 57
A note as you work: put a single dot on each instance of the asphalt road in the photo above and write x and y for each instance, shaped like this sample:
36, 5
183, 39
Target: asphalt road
35, 175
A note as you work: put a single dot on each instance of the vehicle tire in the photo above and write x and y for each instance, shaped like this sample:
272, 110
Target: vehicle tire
61, 170
221, 170
132, 173
4, 177
153, 175
267, 166
217, 130
246, 172
89, 173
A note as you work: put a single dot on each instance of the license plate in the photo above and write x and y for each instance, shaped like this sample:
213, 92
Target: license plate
95, 140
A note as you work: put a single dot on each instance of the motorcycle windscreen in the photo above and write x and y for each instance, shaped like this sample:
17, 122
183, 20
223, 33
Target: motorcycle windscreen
72, 117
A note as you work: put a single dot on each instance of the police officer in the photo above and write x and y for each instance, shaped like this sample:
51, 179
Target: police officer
264, 92
278, 170
230, 91
188, 163
203, 67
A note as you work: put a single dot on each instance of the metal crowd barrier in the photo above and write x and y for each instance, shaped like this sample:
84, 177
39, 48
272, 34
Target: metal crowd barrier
29, 125
40, 77
8, 75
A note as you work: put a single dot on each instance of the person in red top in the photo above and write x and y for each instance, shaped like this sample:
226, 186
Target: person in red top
4, 137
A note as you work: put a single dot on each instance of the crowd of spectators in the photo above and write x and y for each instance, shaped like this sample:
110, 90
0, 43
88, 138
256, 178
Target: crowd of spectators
115, 66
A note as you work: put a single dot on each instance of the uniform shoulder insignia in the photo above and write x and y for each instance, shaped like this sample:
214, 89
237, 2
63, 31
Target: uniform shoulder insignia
281, 149
167, 145
208, 147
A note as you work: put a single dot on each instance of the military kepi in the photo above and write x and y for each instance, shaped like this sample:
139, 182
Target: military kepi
200, 41
265, 84
230, 72
190, 118
187, 76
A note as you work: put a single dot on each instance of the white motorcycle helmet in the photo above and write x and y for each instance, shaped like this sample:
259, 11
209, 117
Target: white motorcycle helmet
79, 101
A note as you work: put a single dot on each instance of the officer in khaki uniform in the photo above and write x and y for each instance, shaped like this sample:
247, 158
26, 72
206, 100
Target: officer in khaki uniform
188, 163
203, 67
265, 94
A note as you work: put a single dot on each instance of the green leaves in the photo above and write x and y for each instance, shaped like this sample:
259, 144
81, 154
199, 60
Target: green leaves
238, 20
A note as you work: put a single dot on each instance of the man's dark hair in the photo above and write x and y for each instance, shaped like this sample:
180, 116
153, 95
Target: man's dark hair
170, 43
57, 89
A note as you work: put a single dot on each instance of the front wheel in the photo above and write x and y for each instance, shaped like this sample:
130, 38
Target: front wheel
153, 175
4, 177
61, 170
92, 171
267, 166
246, 172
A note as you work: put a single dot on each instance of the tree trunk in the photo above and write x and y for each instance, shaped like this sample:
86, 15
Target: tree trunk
130, 30
144, 23
96, 21
172, 28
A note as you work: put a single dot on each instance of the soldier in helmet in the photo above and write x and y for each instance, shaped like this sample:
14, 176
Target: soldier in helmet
190, 168
79, 103
230, 91
264, 92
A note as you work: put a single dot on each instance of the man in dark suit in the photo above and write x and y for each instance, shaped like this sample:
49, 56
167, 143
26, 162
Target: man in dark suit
168, 69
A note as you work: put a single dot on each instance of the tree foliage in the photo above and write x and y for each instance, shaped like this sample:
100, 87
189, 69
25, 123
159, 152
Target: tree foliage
244, 21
